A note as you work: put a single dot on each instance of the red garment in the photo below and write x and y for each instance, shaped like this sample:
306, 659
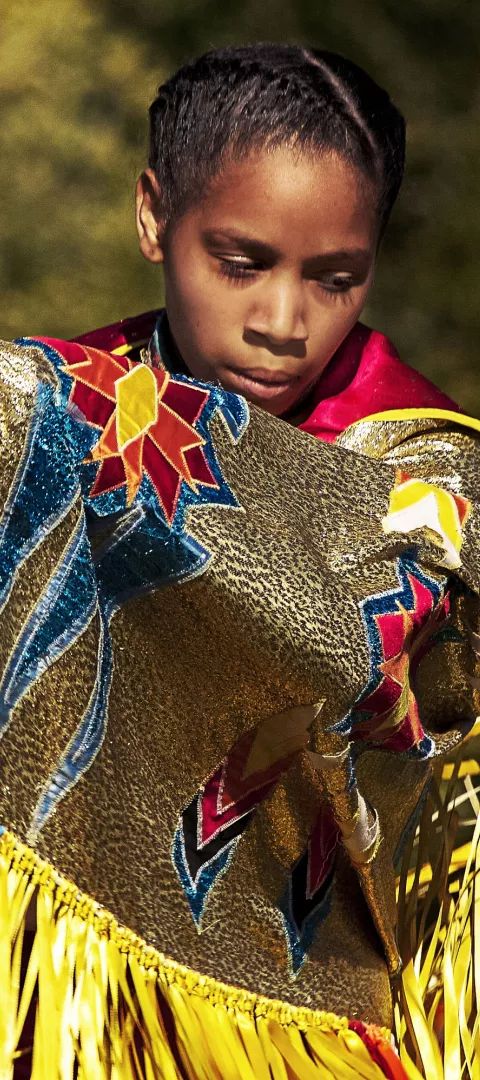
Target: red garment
364, 376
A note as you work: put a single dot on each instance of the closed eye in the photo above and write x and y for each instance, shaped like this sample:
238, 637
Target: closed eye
238, 269
337, 282
241, 269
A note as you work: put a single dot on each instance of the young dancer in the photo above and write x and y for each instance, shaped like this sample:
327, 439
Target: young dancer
230, 653
272, 174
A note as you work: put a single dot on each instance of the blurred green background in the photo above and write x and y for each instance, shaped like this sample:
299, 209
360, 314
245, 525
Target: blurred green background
75, 82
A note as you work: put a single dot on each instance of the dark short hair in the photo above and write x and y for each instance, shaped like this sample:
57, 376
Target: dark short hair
233, 100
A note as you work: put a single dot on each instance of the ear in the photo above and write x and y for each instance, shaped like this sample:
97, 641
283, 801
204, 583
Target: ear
149, 219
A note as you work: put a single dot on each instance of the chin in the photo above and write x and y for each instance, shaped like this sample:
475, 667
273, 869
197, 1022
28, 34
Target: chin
275, 409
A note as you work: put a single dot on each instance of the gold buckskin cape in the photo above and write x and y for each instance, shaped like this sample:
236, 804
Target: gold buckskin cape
230, 658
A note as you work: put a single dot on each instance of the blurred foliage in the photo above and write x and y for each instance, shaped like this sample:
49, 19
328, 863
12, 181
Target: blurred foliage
76, 78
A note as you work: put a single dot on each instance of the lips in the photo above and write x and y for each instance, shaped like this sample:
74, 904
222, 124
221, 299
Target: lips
264, 375
259, 384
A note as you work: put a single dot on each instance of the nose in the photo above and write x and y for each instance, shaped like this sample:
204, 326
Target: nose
278, 313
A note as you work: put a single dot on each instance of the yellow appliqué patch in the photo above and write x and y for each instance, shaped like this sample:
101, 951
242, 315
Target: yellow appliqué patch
416, 504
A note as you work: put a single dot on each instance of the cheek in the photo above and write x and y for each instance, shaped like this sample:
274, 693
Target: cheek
331, 325
335, 317
201, 322
349, 309
197, 295
215, 314
183, 287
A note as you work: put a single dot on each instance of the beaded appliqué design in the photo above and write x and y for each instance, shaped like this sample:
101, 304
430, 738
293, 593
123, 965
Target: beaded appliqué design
307, 897
147, 422
211, 826
401, 625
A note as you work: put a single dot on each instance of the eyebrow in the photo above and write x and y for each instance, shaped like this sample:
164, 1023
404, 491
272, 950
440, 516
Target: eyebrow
214, 236
259, 247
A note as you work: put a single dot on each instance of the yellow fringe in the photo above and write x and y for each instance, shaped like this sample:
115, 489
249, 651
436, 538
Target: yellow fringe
437, 1003
109, 1006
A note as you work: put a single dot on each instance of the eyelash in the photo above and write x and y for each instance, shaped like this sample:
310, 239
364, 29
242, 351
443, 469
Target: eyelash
239, 274
236, 271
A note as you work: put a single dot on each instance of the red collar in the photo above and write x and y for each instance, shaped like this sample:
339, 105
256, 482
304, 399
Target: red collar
366, 376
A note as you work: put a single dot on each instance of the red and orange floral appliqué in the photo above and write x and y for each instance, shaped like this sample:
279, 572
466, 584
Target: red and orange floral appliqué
146, 421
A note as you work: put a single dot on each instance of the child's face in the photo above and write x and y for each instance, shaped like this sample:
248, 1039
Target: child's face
267, 274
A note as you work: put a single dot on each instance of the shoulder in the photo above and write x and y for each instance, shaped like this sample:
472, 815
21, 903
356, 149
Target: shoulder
393, 382
366, 376
127, 335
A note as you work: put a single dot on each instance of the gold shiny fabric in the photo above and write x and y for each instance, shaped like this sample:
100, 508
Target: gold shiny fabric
270, 640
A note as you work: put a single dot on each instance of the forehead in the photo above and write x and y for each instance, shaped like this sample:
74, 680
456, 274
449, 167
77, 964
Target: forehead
293, 201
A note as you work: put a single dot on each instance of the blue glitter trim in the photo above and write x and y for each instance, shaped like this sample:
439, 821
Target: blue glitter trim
34, 506
146, 557
299, 942
197, 891
88, 737
60, 617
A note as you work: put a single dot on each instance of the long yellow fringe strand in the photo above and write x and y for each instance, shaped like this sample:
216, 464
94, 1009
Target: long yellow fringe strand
437, 1002
109, 1006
